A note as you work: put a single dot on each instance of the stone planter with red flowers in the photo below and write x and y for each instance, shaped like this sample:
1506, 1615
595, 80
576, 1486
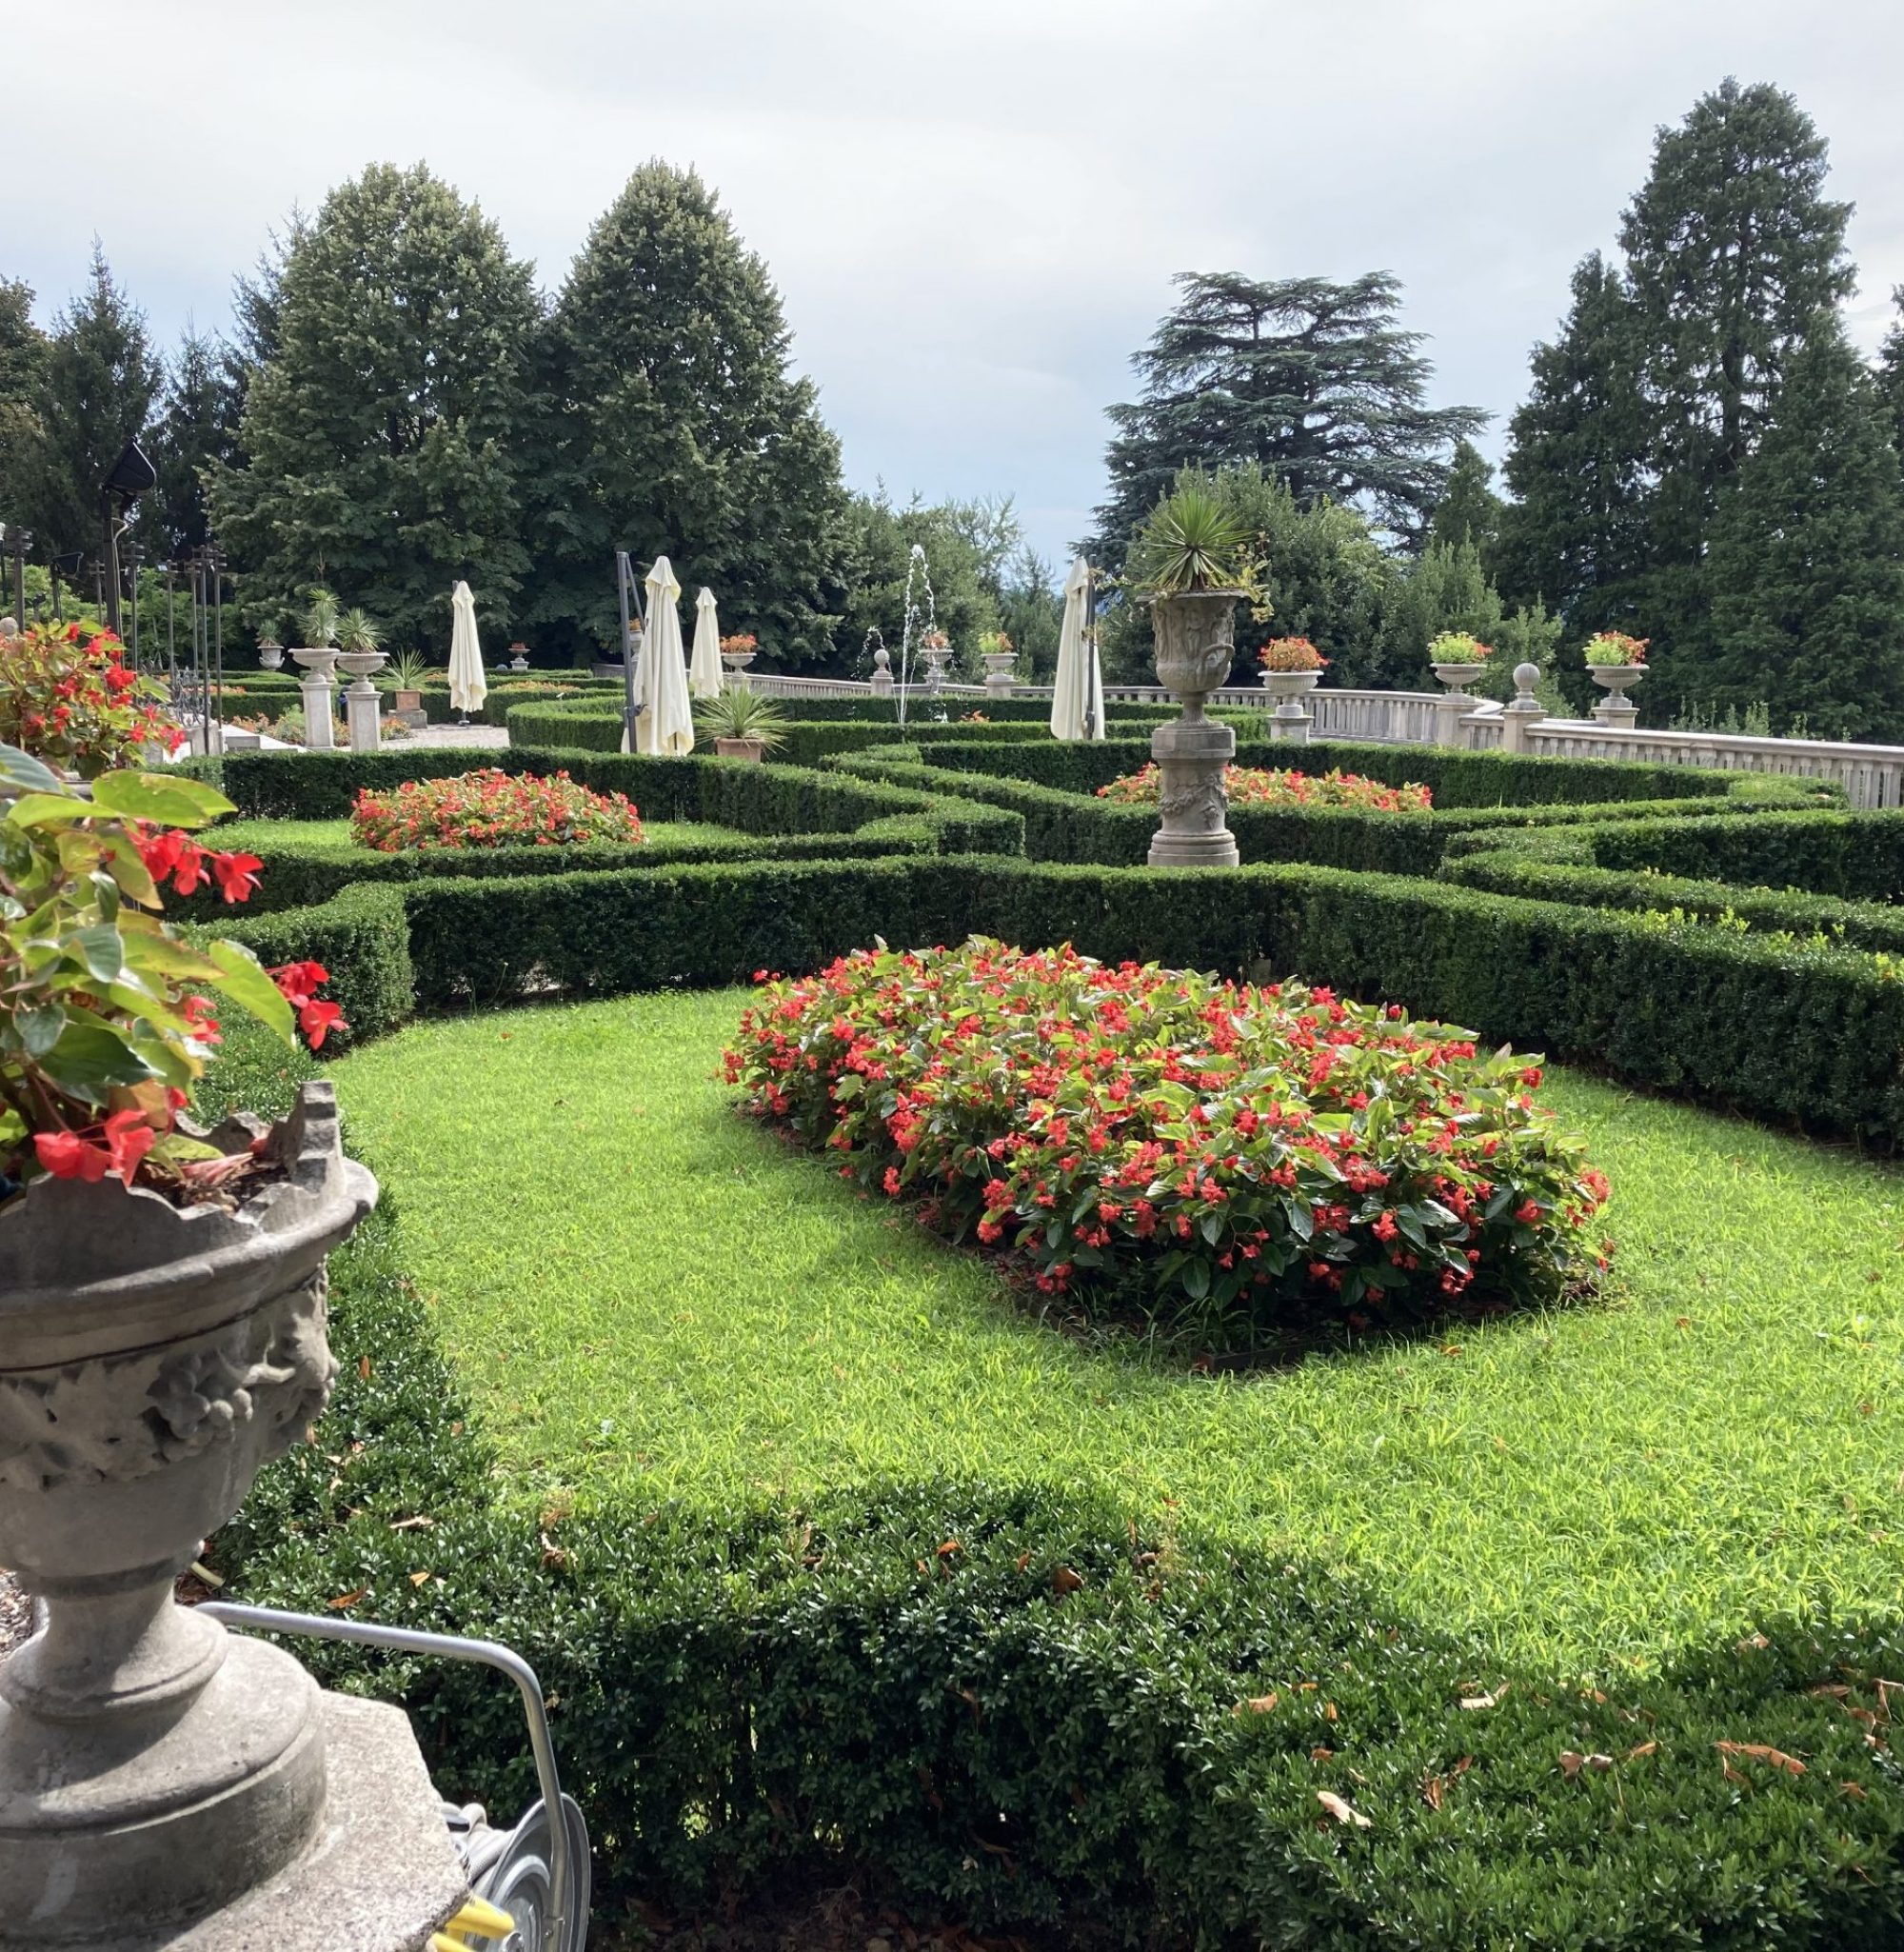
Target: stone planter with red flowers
1615, 663
162, 1337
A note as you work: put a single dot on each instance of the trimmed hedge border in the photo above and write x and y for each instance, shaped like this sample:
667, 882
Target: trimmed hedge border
1877, 927
362, 936
754, 799
1060, 825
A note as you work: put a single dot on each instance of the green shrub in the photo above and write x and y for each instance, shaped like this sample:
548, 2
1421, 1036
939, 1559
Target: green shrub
1784, 1029
1875, 925
361, 935
1224, 1163
1456, 779
1856, 856
1066, 826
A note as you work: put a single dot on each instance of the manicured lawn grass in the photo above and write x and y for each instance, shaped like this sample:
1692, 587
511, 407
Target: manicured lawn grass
649, 1295
255, 835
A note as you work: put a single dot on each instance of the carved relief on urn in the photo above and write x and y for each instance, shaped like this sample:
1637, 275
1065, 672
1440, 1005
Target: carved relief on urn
152, 1359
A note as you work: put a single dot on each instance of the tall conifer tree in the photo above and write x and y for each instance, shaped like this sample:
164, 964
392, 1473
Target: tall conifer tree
22, 353
1806, 566
190, 433
98, 381
1574, 535
1316, 382
683, 431
382, 435
1891, 372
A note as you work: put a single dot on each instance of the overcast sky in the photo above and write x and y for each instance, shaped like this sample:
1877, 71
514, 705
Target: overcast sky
974, 210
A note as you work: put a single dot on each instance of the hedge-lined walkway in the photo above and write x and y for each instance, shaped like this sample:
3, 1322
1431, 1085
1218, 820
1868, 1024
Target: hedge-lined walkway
648, 1294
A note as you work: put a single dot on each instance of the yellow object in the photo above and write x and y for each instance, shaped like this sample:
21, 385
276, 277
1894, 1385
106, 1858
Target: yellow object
480, 1919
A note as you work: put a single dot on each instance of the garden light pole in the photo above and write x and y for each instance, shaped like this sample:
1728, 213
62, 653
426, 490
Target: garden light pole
129, 478
171, 631
133, 555
18, 542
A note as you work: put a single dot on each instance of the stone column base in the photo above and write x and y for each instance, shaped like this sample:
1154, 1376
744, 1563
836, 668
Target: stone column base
318, 735
380, 1877
362, 715
1191, 754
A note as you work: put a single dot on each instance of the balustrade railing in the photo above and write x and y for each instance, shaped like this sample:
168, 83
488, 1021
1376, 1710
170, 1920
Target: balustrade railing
1873, 776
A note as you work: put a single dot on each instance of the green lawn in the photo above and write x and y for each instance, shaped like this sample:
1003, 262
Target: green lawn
253, 836
648, 1294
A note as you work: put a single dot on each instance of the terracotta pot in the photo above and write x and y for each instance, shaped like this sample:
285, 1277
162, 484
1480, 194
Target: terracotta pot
409, 701
751, 749
155, 1359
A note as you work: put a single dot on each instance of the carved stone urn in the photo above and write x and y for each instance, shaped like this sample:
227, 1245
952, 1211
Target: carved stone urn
320, 673
363, 707
1196, 644
154, 1770
1616, 708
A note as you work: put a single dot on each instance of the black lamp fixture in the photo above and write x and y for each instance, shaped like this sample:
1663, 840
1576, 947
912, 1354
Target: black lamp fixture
130, 477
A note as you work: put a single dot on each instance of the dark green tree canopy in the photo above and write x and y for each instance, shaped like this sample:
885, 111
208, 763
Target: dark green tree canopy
22, 353
683, 430
1573, 534
1891, 371
1470, 511
1807, 560
1314, 381
97, 383
192, 431
381, 436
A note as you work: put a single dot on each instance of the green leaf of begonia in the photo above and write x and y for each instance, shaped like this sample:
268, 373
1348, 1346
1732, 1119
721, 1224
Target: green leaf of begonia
242, 978
22, 773
173, 802
98, 950
91, 1058
39, 1027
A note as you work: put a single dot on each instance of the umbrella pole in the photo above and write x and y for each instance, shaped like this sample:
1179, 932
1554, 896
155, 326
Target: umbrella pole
622, 574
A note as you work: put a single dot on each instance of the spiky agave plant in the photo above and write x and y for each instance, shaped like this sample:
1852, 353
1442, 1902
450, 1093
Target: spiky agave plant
1190, 541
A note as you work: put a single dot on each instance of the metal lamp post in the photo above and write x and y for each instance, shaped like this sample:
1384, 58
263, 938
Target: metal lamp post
129, 478
133, 555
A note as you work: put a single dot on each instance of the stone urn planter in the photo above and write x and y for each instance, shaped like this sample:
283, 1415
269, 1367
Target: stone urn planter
1001, 672
1291, 720
737, 662
320, 677
1617, 679
1458, 677
363, 708
154, 1771
270, 656
1196, 644
754, 750
935, 657
1459, 701
518, 656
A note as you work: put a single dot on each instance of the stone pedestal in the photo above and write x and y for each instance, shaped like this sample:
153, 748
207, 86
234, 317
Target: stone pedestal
1196, 644
378, 1875
362, 705
1001, 670
1522, 711
320, 672
882, 677
1191, 754
1459, 701
937, 656
1616, 708
1292, 721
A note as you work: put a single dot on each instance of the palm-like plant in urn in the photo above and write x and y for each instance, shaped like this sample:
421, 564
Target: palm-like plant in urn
162, 1336
1189, 564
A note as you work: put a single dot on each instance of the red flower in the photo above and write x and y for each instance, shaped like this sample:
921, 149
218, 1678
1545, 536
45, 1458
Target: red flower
237, 875
127, 1138
299, 982
317, 1020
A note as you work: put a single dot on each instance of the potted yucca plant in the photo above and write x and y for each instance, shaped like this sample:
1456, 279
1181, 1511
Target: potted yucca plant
1191, 564
162, 1317
409, 670
742, 724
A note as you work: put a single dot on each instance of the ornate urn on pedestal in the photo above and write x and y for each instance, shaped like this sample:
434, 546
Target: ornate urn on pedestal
363, 708
155, 1772
1190, 566
320, 677
1196, 646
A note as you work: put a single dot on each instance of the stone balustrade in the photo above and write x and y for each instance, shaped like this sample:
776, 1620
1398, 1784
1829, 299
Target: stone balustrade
1873, 776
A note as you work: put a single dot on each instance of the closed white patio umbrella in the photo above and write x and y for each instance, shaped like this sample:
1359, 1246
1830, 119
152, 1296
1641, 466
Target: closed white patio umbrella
1078, 691
468, 685
666, 721
703, 672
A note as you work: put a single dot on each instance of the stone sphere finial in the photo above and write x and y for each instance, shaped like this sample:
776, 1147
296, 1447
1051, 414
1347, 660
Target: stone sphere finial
883, 659
1525, 678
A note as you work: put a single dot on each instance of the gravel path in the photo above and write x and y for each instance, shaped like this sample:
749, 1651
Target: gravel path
16, 1614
